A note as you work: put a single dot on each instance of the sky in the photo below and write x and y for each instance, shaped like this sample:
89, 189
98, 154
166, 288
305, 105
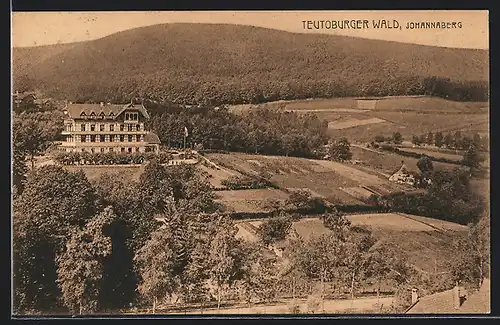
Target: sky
42, 28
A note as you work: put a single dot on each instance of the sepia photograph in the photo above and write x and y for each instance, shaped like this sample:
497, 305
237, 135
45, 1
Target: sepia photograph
243, 163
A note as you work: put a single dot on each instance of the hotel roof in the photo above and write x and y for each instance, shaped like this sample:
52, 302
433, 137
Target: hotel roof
109, 110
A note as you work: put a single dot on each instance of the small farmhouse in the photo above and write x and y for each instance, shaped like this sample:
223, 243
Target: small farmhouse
403, 176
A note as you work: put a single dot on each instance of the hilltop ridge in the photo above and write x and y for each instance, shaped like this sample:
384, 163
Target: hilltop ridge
218, 63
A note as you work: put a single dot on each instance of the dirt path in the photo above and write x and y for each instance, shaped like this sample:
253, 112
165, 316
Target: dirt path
361, 305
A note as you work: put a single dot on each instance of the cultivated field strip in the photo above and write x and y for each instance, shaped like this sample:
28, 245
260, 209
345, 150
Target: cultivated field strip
354, 123
351, 172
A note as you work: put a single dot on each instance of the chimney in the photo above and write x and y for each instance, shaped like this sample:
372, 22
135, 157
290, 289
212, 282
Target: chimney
414, 296
456, 296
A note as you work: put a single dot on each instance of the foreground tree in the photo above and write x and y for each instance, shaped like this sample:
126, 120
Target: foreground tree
53, 202
471, 263
30, 137
274, 229
385, 265
80, 267
225, 259
323, 258
260, 280
156, 262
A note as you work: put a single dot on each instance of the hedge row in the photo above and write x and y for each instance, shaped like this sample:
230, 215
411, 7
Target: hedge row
247, 183
418, 155
109, 158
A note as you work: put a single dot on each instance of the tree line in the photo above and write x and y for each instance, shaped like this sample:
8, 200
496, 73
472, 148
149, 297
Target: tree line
262, 131
457, 140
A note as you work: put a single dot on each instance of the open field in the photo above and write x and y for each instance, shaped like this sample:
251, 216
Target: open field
408, 115
250, 200
216, 176
388, 162
394, 103
423, 122
354, 123
323, 178
425, 242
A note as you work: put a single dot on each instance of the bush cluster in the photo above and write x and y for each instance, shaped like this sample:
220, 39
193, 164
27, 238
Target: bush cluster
109, 158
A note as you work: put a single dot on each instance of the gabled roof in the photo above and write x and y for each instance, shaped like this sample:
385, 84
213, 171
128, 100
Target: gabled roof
402, 171
110, 110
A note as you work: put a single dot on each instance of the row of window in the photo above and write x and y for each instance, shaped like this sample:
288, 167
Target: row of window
103, 150
102, 128
106, 138
131, 117
128, 116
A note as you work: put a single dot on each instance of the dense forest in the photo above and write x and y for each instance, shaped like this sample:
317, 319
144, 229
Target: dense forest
262, 131
215, 64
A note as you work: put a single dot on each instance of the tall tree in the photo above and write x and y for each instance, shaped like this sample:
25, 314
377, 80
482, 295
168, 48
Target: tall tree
397, 138
30, 137
457, 140
438, 139
430, 138
156, 263
80, 266
448, 140
425, 165
52, 203
55, 199
225, 257
471, 263
471, 158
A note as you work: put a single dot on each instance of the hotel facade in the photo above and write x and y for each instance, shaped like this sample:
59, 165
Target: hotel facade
107, 128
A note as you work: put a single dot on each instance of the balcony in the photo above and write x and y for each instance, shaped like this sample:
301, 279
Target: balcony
77, 132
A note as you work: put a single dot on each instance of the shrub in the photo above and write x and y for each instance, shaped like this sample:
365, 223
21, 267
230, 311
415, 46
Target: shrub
246, 182
108, 158
274, 229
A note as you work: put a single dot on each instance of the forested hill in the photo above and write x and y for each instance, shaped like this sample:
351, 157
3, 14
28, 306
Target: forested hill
215, 63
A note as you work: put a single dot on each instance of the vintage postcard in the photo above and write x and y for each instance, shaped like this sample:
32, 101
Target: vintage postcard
245, 163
